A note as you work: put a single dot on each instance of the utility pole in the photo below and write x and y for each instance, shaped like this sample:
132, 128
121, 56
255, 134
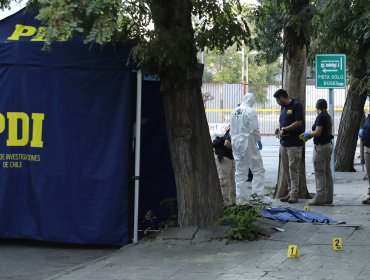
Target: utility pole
244, 79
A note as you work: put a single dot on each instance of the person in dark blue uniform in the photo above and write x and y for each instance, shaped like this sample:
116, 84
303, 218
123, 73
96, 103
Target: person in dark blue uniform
364, 134
322, 137
291, 126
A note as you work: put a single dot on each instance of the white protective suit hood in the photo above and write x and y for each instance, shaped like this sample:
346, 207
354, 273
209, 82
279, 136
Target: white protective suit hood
248, 100
244, 125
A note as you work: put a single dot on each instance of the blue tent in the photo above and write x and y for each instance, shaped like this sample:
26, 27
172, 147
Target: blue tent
65, 122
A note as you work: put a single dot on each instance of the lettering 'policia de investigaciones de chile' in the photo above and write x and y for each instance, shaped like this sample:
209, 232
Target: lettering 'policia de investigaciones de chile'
13, 119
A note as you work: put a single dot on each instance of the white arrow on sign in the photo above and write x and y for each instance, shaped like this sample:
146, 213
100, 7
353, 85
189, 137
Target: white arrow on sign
329, 70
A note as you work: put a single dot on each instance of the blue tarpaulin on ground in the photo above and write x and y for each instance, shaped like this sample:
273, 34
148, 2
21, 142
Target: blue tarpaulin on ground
297, 215
64, 137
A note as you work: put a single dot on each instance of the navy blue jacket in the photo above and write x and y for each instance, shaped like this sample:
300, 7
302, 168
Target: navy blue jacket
288, 115
366, 127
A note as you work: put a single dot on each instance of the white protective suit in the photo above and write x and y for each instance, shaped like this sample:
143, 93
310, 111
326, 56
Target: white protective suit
245, 133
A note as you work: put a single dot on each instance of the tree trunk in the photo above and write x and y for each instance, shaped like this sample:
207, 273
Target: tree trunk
198, 188
295, 84
349, 126
352, 114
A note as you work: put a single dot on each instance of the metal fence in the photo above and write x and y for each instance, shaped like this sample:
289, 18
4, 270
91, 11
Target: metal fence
223, 98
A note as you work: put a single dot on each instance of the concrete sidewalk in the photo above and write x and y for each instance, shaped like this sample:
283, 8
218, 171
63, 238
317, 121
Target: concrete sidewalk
192, 253
198, 253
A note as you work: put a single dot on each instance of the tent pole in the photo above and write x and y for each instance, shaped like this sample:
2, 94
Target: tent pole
137, 153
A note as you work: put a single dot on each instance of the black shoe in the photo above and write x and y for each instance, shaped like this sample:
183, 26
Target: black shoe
316, 203
366, 201
285, 198
293, 199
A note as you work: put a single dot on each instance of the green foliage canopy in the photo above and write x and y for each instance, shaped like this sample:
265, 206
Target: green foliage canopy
282, 25
343, 26
226, 67
217, 25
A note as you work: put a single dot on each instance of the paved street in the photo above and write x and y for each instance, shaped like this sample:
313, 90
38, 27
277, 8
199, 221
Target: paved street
270, 155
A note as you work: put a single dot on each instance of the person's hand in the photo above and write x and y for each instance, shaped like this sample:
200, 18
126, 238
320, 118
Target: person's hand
259, 144
281, 132
307, 134
277, 131
361, 133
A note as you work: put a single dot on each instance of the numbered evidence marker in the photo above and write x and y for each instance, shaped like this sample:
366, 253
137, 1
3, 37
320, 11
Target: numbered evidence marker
337, 244
307, 208
293, 251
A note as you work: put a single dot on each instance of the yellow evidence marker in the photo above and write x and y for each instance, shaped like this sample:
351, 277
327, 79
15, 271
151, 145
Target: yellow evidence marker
337, 244
293, 251
307, 208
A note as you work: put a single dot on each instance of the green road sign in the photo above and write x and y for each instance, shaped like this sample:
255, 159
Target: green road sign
331, 71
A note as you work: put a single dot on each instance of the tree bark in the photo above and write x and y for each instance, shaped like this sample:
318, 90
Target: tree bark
295, 84
198, 188
353, 112
350, 121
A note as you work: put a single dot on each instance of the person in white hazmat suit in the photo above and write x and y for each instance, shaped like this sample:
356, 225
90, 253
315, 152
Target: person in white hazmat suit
245, 136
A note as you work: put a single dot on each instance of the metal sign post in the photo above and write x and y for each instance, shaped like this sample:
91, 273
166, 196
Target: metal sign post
137, 154
331, 113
